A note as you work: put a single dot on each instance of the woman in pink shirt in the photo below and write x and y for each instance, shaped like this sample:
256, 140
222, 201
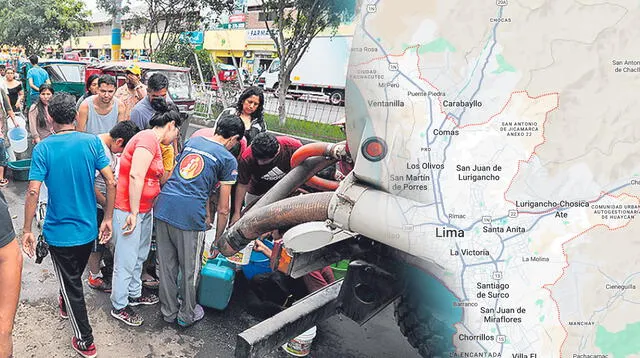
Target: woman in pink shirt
40, 122
138, 185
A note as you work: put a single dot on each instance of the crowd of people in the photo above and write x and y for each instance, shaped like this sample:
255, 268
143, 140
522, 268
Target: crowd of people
116, 185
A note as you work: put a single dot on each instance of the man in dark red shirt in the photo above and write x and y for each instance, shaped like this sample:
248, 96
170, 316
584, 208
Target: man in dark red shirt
261, 166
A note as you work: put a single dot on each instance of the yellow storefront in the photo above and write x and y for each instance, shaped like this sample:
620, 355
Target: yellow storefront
251, 48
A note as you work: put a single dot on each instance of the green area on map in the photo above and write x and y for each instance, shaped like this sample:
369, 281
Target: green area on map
619, 344
437, 45
503, 66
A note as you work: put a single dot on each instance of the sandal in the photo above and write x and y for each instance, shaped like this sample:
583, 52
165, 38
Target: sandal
4, 182
151, 283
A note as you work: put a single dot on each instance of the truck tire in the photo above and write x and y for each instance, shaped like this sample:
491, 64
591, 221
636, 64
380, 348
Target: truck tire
420, 328
425, 319
336, 98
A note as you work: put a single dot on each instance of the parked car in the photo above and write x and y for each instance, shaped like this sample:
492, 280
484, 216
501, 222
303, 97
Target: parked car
89, 60
71, 56
226, 73
66, 76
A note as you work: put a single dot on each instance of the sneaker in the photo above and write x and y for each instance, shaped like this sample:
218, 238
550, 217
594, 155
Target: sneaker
198, 314
99, 284
62, 309
83, 349
149, 299
128, 316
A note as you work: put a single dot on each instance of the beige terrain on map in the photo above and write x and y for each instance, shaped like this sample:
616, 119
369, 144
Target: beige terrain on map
591, 141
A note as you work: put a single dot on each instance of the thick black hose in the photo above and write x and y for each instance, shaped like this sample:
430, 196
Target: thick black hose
292, 181
284, 213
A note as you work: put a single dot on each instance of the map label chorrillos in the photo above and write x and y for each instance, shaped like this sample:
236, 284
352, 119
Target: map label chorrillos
462, 104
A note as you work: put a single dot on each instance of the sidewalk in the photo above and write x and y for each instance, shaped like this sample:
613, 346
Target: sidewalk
40, 332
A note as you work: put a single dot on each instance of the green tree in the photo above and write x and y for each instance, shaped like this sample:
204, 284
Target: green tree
182, 55
162, 21
35, 24
295, 23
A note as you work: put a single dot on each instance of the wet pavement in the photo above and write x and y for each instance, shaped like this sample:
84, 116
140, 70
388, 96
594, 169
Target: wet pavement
39, 332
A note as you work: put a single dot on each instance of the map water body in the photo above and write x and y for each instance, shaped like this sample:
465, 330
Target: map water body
513, 127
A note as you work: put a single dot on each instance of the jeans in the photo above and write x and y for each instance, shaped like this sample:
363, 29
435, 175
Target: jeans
130, 252
4, 155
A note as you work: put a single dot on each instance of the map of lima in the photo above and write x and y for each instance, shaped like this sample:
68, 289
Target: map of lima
512, 127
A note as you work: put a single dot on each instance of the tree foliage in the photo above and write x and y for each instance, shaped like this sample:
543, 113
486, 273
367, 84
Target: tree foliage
182, 55
35, 24
162, 21
295, 24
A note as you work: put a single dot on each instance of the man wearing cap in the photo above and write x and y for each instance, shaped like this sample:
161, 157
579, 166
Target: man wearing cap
132, 91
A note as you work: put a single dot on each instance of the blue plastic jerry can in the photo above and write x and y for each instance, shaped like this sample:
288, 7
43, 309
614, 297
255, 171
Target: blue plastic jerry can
216, 283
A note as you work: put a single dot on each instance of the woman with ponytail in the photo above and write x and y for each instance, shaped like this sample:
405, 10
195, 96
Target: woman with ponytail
141, 169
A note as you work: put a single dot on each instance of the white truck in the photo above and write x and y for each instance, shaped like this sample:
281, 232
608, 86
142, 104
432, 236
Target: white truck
321, 73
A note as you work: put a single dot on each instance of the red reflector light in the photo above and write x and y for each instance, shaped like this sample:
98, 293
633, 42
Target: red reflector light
374, 149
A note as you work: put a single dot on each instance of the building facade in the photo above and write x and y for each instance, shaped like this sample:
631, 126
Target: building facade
242, 39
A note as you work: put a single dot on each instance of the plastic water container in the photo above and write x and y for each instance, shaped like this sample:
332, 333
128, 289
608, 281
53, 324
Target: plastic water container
18, 138
301, 345
340, 269
258, 262
243, 256
20, 169
22, 122
216, 283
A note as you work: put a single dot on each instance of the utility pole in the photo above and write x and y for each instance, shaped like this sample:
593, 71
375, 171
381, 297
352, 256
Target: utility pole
116, 31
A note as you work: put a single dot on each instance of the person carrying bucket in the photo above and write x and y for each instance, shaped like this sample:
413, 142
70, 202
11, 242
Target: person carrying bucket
5, 112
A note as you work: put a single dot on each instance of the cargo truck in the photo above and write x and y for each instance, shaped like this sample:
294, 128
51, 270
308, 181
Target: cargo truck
321, 73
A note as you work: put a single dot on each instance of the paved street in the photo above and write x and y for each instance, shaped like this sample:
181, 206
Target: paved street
39, 332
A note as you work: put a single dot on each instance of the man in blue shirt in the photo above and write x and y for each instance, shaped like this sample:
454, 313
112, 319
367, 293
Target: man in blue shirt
65, 162
204, 162
36, 76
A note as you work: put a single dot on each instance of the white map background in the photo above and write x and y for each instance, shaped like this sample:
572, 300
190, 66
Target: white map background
552, 210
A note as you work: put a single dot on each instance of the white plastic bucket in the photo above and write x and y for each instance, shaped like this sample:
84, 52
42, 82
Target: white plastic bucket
243, 256
19, 139
22, 122
301, 345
